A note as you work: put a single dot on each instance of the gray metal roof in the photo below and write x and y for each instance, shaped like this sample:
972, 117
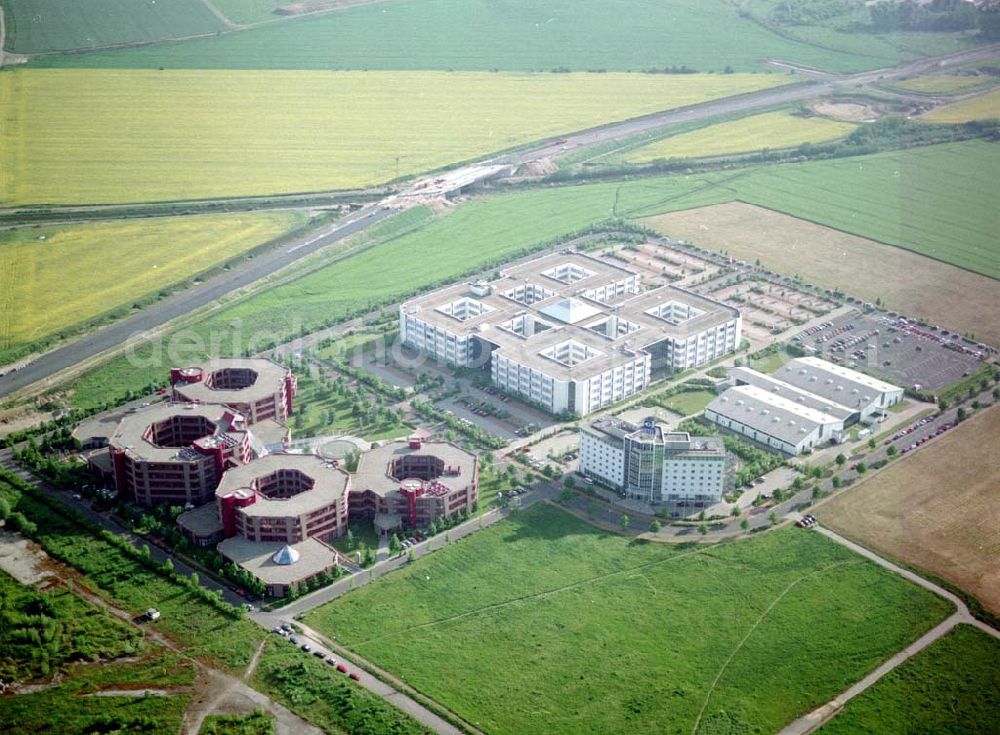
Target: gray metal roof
770, 414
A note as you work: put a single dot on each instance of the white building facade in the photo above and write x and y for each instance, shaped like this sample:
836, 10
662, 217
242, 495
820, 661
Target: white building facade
653, 465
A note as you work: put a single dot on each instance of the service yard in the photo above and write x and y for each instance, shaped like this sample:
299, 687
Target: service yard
937, 509
869, 270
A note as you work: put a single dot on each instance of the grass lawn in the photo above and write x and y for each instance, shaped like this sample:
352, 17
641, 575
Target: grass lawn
689, 403
594, 631
951, 688
314, 402
769, 130
37, 26
55, 278
981, 107
617, 35
269, 132
902, 512
770, 363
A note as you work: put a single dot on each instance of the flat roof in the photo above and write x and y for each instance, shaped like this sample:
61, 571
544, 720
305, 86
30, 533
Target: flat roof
834, 382
329, 484
270, 380
680, 443
373, 467
563, 291
773, 415
130, 434
791, 392
203, 520
256, 558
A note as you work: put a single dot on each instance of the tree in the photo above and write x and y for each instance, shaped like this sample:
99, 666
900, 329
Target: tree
840, 460
779, 495
735, 511
745, 524
4, 508
943, 404
861, 468
961, 415
703, 529
797, 483
872, 443
168, 565
569, 483
654, 526
394, 545
816, 472
892, 451
625, 522
837, 482
773, 517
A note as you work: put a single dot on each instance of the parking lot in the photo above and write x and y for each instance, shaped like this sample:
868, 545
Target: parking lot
769, 308
896, 350
659, 264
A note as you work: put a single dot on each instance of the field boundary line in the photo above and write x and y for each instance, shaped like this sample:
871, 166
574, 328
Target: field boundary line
753, 628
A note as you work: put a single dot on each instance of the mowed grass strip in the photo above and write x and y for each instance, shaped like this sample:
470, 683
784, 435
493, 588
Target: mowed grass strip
904, 281
937, 509
951, 687
38, 26
84, 136
544, 618
52, 278
981, 107
943, 83
753, 133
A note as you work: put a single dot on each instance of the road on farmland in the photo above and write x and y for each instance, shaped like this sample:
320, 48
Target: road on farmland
186, 301
73, 353
811, 721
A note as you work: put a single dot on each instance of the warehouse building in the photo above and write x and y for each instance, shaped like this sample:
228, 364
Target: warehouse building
412, 483
258, 388
862, 394
569, 331
806, 403
780, 423
176, 453
652, 464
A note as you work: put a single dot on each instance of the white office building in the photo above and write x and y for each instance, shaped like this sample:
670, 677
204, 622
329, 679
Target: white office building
652, 464
569, 331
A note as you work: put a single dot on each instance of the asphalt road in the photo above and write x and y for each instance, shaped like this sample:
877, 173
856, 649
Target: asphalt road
186, 301
179, 304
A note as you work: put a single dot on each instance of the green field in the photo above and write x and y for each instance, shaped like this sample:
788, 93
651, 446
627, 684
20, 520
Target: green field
688, 403
256, 723
595, 631
618, 35
38, 26
55, 278
769, 130
951, 688
245, 12
77, 136
943, 83
981, 107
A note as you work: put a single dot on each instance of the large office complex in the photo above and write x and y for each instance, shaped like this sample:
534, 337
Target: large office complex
176, 452
260, 389
412, 482
652, 464
806, 403
569, 331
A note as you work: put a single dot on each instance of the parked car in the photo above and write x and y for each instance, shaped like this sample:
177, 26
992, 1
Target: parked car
306, 647
331, 660
355, 676
319, 654
341, 668
293, 639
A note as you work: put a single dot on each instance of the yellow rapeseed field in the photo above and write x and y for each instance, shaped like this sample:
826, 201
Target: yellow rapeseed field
975, 108
52, 278
943, 83
104, 135
768, 130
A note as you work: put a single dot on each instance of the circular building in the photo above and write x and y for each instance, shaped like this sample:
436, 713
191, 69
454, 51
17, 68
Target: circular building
258, 388
284, 498
411, 483
176, 453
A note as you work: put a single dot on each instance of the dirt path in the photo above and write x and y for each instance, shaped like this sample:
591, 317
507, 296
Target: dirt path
813, 720
222, 17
